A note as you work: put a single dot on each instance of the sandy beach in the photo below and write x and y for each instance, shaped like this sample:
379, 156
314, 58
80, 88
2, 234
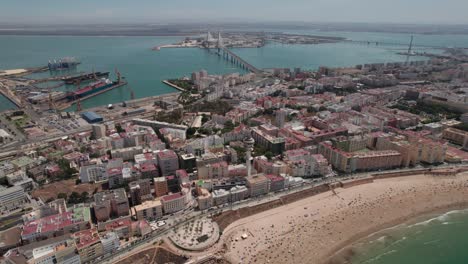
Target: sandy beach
314, 229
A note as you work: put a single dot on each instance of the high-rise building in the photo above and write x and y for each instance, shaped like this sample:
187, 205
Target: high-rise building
249, 145
168, 162
88, 244
258, 185
110, 203
173, 203
140, 191
93, 173
195, 77
204, 199
110, 242
99, 131
280, 118
213, 170
275, 182
149, 210
188, 162
160, 186
12, 198
203, 74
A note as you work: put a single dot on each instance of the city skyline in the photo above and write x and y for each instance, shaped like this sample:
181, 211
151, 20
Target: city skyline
114, 12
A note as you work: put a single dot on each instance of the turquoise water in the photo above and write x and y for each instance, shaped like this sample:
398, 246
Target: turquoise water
314, 56
6, 104
144, 69
441, 239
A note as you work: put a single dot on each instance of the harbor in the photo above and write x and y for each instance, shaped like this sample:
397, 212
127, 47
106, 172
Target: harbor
145, 69
40, 94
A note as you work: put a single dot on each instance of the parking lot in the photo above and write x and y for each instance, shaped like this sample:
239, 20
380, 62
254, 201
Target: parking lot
54, 122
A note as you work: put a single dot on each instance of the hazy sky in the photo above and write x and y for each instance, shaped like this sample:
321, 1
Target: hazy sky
158, 11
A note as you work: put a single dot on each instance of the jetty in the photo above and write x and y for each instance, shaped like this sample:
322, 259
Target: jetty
7, 93
166, 82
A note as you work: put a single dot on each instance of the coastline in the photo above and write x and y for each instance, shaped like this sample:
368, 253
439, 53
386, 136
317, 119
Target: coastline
323, 228
347, 249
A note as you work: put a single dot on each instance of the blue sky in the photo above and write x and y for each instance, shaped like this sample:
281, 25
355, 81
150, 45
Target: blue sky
157, 11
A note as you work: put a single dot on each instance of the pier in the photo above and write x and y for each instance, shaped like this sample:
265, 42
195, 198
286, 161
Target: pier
10, 96
173, 85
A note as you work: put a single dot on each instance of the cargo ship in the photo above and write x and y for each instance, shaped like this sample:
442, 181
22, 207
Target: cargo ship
85, 77
63, 64
90, 89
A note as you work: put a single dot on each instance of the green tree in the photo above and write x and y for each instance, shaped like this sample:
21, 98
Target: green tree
119, 128
191, 131
67, 171
205, 118
74, 198
228, 127
84, 197
62, 196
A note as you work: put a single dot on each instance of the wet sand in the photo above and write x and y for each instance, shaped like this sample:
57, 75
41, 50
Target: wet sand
314, 229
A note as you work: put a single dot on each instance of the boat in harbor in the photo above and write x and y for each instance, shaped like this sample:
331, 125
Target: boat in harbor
90, 89
66, 63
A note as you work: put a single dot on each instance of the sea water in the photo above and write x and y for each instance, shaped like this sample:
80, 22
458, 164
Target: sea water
144, 69
436, 239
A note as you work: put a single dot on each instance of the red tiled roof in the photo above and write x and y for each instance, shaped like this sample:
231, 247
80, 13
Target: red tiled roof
145, 167
114, 171
274, 178
171, 197
48, 223
85, 238
119, 223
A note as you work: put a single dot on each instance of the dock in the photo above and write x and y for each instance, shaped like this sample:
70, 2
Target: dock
66, 105
10, 96
166, 82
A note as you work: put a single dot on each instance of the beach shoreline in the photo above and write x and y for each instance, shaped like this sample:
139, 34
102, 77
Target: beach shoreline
323, 228
347, 249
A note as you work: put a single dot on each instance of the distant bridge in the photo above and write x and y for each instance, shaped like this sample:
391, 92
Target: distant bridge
385, 43
227, 54
232, 57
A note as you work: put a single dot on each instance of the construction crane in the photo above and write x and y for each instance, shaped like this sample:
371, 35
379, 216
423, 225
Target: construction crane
132, 93
78, 105
119, 77
409, 50
51, 100
76, 98
94, 75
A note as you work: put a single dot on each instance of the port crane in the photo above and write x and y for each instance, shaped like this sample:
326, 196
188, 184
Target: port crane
51, 100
